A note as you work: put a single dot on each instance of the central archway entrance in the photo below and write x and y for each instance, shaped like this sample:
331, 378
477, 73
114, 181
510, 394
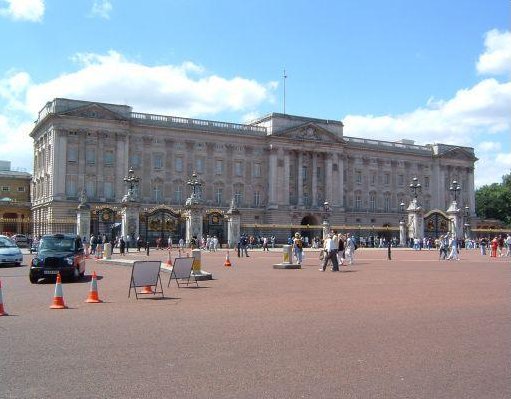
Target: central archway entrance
310, 231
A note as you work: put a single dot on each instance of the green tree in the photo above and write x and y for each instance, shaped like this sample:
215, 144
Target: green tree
494, 201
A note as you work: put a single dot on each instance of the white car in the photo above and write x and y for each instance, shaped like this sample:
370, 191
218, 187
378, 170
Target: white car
10, 254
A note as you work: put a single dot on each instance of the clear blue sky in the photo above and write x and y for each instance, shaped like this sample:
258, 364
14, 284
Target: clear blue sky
389, 69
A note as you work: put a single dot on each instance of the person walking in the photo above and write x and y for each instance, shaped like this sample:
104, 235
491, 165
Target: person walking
330, 247
444, 244
243, 245
483, 242
453, 244
122, 246
298, 248
350, 249
494, 246
340, 251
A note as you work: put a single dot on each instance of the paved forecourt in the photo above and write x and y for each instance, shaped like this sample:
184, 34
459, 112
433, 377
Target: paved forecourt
413, 327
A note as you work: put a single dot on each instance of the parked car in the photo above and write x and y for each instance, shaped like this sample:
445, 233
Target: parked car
58, 253
20, 240
10, 254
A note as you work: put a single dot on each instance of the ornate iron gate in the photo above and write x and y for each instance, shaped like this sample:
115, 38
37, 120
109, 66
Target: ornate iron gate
436, 223
106, 220
214, 224
162, 222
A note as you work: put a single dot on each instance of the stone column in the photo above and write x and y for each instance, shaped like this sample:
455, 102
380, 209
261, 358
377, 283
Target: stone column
286, 178
314, 179
326, 229
328, 179
233, 227
130, 225
455, 225
340, 181
272, 179
300, 178
193, 215
415, 220
402, 234
83, 221
471, 191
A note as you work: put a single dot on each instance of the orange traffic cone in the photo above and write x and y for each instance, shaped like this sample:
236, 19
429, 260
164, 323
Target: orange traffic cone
93, 293
169, 260
227, 260
58, 298
147, 290
2, 311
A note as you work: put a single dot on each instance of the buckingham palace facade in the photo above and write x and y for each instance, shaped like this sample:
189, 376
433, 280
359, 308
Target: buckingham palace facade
279, 169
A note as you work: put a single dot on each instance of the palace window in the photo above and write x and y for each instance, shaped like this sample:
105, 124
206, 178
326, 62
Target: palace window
6, 188
90, 187
426, 182
72, 154
358, 177
108, 190
109, 158
135, 161
304, 172
71, 186
401, 180
238, 168
158, 161
179, 164
358, 201
90, 156
219, 166
257, 199
178, 195
306, 199
257, 169
373, 179
372, 201
157, 194
219, 196
199, 165
238, 195
21, 189
386, 178
386, 202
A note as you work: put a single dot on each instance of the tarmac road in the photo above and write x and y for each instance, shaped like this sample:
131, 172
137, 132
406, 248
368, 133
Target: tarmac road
412, 327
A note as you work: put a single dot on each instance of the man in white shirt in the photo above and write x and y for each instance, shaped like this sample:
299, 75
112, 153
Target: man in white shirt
330, 247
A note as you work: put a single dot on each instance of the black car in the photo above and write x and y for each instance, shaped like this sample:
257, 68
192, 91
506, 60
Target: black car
56, 253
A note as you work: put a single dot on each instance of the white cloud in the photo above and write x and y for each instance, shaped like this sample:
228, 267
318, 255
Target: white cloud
483, 108
23, 10
489, 146
101, 8
181, 90
497, 56
184, 90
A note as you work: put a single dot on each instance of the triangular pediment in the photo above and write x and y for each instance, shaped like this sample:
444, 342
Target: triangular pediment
459, 153
94, 111
309, 132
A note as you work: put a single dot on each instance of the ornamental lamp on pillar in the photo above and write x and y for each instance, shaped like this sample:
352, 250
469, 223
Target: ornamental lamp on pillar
467, 222
453, 211
402, 225
326, 219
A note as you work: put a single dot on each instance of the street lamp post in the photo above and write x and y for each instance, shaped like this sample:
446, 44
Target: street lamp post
467, 222
132, 182
146, 232
415, 187
455, 188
